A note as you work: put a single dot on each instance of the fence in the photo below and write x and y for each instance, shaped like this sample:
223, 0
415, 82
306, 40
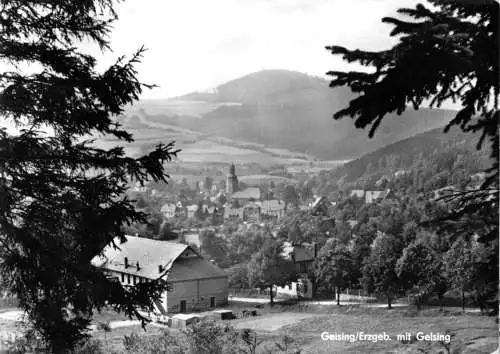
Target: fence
257, 293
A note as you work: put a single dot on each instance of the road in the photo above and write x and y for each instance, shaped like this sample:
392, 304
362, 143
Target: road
17, 315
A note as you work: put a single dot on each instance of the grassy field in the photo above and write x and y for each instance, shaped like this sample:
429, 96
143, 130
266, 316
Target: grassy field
473, 333
265, 179
304, 323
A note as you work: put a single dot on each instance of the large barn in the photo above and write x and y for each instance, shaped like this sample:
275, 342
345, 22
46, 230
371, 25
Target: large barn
197, 283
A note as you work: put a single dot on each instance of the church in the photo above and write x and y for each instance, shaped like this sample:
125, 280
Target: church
235, 194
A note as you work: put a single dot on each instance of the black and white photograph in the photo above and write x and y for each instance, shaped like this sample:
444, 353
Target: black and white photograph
249, 176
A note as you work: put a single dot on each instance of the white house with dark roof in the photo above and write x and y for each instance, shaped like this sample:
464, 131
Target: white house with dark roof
196, 282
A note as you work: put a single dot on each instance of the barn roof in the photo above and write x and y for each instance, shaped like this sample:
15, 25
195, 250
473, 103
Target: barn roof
194, 268
149, 253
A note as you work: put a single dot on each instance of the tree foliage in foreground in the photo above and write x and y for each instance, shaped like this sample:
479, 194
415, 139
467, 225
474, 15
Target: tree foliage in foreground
62, 198
447, 51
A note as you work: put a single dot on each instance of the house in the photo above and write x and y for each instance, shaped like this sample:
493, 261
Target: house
373, 196
352, 223
320, 204
251, 212
401, 173
192, 238
196, 283
303, 255
273, 209
168, 210
191, 210
233, 214
358, 193
382, 180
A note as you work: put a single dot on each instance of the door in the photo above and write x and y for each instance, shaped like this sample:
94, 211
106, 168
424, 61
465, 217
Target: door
212, 301
183, 306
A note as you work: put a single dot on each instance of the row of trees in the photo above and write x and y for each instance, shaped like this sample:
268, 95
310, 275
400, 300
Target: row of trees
63, 198
390, 253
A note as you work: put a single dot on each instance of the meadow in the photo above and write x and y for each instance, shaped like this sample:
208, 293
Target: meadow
471, 333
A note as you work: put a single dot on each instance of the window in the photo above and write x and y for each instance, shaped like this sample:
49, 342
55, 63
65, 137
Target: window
134, 279
123, 278
128, 278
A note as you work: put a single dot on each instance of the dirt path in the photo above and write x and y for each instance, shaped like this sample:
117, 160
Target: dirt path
272, 322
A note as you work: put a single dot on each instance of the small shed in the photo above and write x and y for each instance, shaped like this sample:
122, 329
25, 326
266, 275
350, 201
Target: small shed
223, 315
181, 321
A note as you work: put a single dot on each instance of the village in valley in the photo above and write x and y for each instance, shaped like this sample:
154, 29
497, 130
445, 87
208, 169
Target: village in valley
249, 177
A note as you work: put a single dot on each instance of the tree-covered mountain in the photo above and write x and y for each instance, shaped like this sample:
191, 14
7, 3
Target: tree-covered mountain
292, 110
426, 161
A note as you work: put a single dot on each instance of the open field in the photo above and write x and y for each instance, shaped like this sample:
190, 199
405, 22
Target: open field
261, 179
178, 107
473, 333
305, 322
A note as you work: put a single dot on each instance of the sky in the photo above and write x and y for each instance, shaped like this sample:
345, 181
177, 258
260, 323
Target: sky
195, 45
198, 44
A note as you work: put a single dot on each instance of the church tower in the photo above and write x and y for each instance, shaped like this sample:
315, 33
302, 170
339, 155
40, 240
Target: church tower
232, 181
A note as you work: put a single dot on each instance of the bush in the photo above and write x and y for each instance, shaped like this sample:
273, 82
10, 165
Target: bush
91, 346
165, 343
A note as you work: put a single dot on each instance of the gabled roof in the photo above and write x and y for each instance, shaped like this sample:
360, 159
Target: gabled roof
228, 212
273, 204
318, 201
194, 268
248, 193
360, 193
252, 205
168, 206
149, 253
301, 253
193, 207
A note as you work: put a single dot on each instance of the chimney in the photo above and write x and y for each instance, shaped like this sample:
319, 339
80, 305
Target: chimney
160, 269
315, 246
126, 262
138, 267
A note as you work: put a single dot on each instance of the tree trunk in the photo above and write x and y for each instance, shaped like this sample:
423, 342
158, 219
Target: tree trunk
389, 304
271, 295
463, 301
338, 296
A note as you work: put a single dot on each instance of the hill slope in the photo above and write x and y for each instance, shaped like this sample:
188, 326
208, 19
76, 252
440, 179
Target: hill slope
290, 110
433, 156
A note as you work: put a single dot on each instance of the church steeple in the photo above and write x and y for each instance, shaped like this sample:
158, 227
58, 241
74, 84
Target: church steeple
232, 180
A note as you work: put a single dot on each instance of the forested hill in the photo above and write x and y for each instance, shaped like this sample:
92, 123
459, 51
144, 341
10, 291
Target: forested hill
438, 159
290, 110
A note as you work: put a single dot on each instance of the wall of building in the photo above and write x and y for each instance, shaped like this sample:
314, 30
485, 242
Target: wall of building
301, 289
197, 294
